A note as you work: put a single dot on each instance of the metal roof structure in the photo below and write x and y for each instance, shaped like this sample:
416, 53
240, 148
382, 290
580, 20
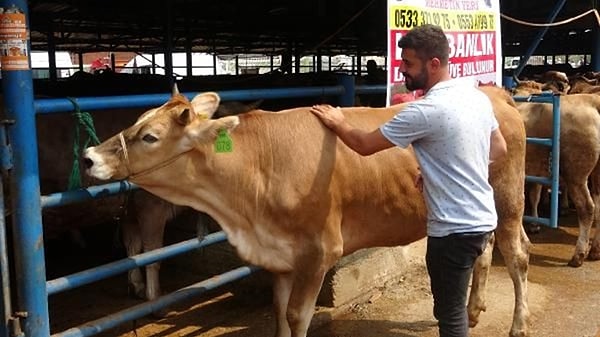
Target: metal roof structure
224, 27
268, 26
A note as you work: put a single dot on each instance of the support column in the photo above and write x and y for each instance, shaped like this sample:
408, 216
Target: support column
30, 269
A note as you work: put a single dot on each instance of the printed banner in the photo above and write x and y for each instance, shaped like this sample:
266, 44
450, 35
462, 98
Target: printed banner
13, 40
473, 31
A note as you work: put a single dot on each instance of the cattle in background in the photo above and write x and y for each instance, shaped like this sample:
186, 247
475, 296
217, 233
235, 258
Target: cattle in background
579, 154
293, 199
530, 87
580, 84
142, 216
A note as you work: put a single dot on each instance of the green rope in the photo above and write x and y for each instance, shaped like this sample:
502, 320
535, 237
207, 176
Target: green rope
85, 120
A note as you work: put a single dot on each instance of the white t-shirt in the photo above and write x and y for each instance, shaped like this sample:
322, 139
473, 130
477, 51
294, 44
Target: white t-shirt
450, 129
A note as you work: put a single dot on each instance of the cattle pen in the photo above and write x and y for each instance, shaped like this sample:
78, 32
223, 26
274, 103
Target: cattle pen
30, 261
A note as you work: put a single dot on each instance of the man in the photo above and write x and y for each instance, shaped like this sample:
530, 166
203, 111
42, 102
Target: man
455, 136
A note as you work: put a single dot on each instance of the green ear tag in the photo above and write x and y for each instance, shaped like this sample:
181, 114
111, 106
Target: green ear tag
223, 142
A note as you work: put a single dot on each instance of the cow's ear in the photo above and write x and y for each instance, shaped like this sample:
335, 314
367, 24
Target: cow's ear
184, 117
206, 103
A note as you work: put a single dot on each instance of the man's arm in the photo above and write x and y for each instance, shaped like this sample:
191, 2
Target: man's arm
497, 145
363, 142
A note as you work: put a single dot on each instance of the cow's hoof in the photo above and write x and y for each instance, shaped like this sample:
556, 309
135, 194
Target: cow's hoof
594, 254
474, 315
576, 260
519, 333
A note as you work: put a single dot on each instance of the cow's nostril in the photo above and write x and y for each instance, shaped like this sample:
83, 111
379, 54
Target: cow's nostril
88, 162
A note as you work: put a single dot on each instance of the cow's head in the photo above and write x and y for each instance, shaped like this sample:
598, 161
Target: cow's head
159, 136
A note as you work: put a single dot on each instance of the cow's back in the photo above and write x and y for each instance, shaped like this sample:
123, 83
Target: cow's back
375, 198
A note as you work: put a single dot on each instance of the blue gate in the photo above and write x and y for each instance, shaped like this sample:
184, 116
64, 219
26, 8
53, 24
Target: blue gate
554, 169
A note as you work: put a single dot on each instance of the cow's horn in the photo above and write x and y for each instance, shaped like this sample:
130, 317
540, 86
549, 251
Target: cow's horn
175, 89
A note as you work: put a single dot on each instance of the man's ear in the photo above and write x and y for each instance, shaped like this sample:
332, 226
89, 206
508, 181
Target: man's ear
435, 63
205, 104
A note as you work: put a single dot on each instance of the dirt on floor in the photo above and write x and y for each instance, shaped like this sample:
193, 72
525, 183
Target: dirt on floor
564, 302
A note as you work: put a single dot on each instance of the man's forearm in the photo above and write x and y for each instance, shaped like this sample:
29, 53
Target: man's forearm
353, 138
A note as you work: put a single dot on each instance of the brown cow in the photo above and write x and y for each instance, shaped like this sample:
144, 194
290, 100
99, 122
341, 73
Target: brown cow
583, 85
579, 154
293, 199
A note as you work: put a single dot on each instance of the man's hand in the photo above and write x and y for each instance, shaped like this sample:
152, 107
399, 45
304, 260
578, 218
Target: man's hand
330, 116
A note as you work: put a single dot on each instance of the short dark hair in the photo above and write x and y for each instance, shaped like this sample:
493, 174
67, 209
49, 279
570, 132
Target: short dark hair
428, 41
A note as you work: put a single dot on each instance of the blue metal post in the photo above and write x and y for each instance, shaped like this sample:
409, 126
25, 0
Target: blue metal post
347, 81
30, 269
538, 38
555, 160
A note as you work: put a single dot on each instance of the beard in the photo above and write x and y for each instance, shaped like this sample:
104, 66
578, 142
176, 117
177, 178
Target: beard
416, 82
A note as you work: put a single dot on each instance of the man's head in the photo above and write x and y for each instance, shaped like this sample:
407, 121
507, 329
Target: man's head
425, 53
371, 66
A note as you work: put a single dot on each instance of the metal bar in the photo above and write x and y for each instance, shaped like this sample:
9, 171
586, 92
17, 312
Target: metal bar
141, 310
370, 89
88, 193
539, 180
30, 271
53, 105
531, 219
95, 274
555, 169
538, 38
540, 141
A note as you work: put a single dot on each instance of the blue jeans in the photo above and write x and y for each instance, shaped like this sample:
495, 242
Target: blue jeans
450, 262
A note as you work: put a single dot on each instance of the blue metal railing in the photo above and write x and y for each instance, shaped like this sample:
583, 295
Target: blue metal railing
554, 144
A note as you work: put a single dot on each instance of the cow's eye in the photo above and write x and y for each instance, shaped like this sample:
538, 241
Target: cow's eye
148, 138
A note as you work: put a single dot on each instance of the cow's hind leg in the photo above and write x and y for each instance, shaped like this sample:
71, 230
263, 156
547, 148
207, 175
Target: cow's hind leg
514, 246
595, 192
481, 270
585, 212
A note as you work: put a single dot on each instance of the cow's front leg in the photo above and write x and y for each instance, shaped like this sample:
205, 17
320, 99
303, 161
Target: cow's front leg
310, 269
282, 288
481, 270
303, 298
133, 246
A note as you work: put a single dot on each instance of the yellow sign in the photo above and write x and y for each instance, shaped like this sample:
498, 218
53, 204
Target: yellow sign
408, 17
